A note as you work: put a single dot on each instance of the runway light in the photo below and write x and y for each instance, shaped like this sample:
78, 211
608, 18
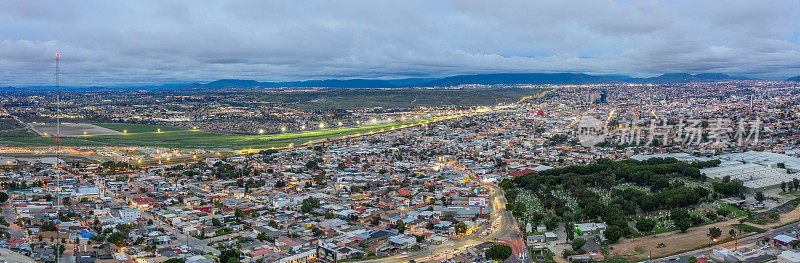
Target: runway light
124, 131
283, 129
340, 123
159, 130
303, 127
84, 133
322, 125
260, 131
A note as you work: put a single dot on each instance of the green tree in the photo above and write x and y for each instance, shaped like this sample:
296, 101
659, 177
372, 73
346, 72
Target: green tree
645, 225
683, 224
401, 226
311, 164
48, 226
714, 233
3, 197
613, 233
228, 255
569, 230
429, 226
117, 238
280, 184
499, 252
461, 228
175, 260
760, 196
578, 243
309, 204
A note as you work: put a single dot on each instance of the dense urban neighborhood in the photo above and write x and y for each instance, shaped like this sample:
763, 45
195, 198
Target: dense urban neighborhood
532, 180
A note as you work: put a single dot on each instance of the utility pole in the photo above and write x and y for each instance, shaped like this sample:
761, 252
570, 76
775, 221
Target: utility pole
58, 152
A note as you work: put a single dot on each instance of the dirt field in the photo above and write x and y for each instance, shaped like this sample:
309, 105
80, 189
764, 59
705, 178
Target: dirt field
72, 129
675, 241
785, 218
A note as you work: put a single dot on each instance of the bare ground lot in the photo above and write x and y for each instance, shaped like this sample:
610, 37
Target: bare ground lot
72, 129
785, 218
675, 242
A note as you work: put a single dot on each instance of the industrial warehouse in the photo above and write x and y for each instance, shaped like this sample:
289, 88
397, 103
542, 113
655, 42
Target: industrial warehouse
758, 171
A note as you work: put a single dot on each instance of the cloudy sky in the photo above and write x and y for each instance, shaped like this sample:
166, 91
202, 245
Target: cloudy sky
134, 42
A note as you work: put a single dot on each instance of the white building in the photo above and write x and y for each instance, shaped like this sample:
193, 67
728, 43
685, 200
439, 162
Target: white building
130, 215
789, 256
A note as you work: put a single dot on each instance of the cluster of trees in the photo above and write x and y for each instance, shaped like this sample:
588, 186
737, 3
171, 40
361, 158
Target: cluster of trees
309, 204
113, 166
654, 173
729, 187
499, 252
14, 185
794, 184
229, 256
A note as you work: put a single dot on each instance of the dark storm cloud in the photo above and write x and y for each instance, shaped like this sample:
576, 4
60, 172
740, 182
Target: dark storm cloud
132, 42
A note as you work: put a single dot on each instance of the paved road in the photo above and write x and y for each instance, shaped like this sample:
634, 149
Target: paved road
11, 256
507, 232
11, 217
743, 242
192, 242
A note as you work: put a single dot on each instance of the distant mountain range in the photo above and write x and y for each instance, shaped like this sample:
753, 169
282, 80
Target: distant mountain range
795, 78
476, 79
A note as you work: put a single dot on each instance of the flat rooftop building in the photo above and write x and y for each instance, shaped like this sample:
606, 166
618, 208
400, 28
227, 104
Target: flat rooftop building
758, 171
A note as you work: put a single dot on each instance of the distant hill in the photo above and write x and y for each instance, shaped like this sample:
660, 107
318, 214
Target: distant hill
674, 78
795, 78
520, 78
328, 83
477, 79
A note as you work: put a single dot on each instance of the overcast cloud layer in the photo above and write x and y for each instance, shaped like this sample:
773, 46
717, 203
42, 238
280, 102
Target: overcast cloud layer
134, 42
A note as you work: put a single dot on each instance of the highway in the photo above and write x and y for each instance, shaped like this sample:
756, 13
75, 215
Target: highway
509, 230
